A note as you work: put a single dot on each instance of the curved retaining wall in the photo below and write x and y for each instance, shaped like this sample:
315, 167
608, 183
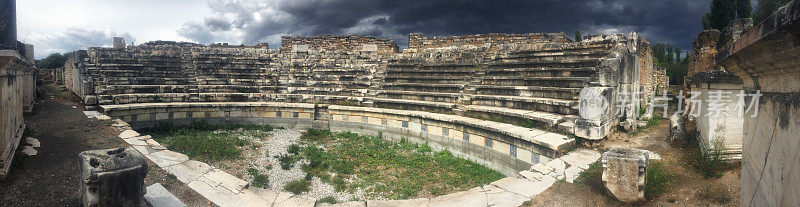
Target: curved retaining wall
503, 147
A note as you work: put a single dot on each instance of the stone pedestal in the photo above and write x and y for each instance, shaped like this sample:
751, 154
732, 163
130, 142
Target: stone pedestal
624, 172
112, 177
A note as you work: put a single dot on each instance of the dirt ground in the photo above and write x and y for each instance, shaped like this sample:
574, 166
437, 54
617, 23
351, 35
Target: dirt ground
688, 187
50, 178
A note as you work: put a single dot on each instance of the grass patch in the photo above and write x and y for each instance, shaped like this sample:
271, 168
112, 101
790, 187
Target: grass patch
297, 186
595, 170
657, 181
205, 141
329, 199
389, 169
259, 180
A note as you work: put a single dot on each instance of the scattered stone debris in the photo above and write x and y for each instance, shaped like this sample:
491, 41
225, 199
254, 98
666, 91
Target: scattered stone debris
624, 172
33, 142
28, 150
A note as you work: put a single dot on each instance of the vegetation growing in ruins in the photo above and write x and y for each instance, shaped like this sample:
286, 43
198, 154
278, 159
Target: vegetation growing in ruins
394, 170
206, 141
657, 180
259, 180
595, 170
711, 163
298, 186
329, 199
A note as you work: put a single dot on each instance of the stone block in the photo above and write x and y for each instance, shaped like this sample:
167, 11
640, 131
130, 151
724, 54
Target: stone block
158, 196
544, 169
112, 177
624, 172
398, 203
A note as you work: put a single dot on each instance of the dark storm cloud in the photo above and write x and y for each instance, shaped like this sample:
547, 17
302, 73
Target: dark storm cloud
671, 21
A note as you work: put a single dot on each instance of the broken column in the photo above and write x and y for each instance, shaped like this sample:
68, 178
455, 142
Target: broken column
112, 177
624, 172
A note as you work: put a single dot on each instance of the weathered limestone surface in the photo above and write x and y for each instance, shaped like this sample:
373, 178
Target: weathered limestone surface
16, 84
624, 172
112, 177
765, 58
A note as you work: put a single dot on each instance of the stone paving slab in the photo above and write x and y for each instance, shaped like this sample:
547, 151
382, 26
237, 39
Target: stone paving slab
145, 150
218, 195
572, 173
521, 186
581, 158
505, 199
155, 145
248, 198
474, 197
345, 204
188, 171
158, 196
398, 203
166, 158
226, 180
296, 201
135, 142
541, 168
531, 176
128, 134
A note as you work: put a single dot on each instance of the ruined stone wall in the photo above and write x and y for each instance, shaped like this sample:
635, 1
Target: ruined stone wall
17, 84
417, 41
765, 59
704, 52
510, 81
327, 43
647, 73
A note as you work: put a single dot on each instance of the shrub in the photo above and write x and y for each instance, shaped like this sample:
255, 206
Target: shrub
711, 164
297, 186
527, 203
259, 180
287, 161
293, 149
657, 180
329, 199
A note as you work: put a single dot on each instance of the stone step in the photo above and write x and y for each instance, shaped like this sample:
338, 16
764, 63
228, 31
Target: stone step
547, 119
559, 106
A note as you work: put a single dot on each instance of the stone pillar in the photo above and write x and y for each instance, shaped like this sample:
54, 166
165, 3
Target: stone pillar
112, 177
8, 25
624, 172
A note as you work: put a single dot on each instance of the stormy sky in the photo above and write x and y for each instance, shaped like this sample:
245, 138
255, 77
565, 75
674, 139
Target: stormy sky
66, 25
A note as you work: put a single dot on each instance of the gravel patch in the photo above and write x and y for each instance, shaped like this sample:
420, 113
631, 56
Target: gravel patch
276, 145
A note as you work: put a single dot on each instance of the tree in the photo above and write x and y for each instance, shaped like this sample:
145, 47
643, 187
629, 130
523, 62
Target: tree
721, 14
743, 8
54, 60
669, 54
766, 8
578, 36
677, 55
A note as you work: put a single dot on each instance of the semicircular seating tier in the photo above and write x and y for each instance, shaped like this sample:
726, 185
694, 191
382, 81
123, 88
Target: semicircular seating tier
506, 101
